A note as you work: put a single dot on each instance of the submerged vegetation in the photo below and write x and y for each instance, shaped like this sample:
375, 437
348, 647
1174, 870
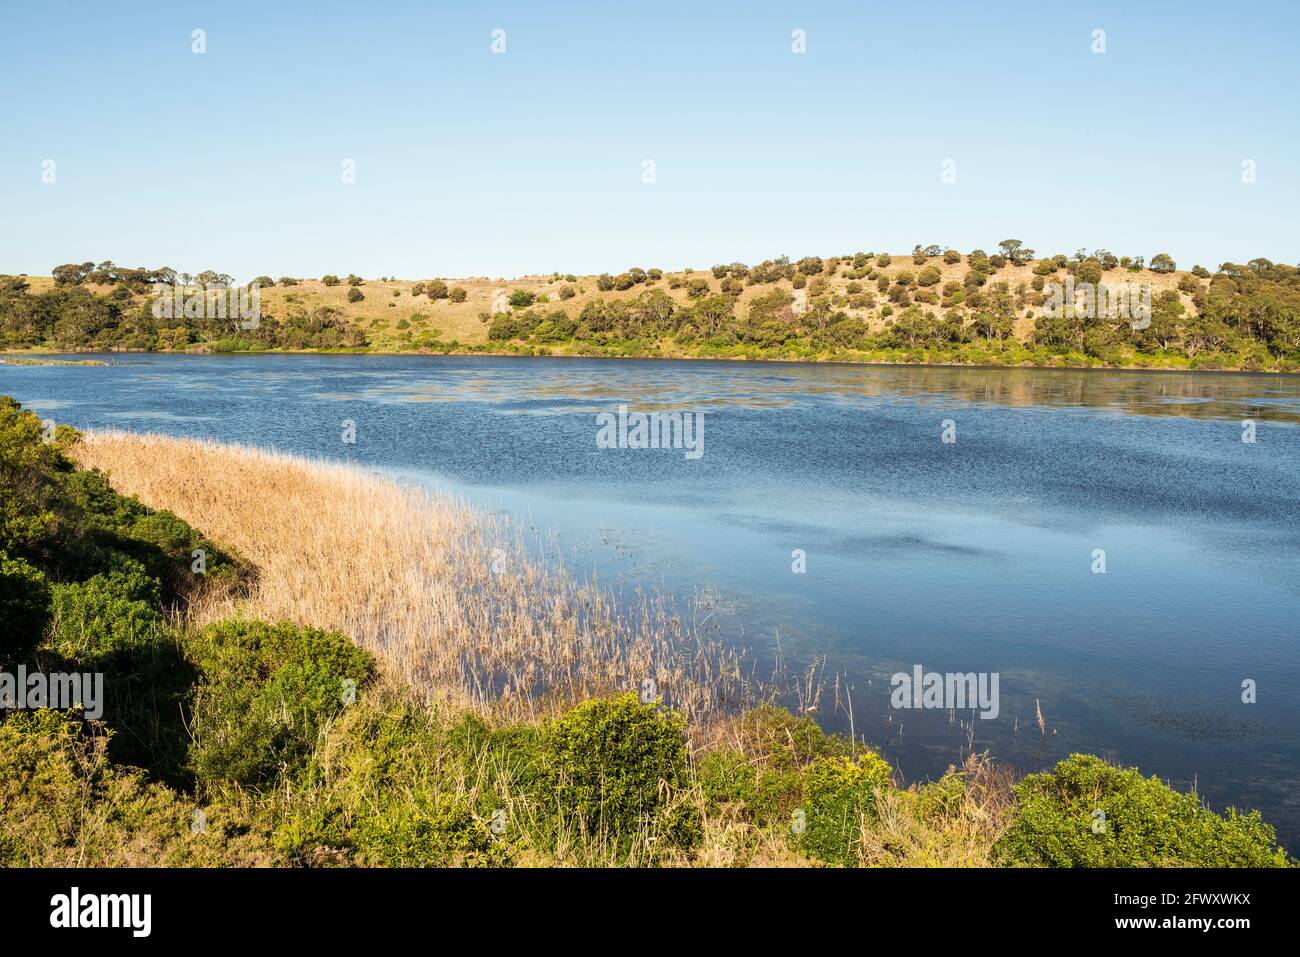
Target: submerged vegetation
935, 306
402, 682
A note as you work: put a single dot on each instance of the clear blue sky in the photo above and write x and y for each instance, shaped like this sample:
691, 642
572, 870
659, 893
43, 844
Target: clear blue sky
470, 163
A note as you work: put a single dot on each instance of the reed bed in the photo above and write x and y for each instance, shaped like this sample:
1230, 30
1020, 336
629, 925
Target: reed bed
456, 603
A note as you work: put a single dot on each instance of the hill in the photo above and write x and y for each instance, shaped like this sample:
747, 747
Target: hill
931, 305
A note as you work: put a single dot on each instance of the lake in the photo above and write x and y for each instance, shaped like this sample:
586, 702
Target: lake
978, 554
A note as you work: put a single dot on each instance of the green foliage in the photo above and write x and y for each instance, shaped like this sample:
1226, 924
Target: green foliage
106, 615
24, 608
65, 804
29, 516
522, 298
504, 326
1087, 813
264, 694
838, 793
415, 835
615, 766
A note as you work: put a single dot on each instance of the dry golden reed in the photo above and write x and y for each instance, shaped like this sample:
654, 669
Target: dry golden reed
451, 601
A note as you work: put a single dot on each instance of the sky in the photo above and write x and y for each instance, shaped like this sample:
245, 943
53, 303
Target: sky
470, 162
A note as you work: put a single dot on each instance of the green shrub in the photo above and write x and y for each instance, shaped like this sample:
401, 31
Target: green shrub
443, 835
107, 614
24, 608
1087, 813
66, 805
615, 765
396, 783
29, 512
837, 794
504, 327
264, 694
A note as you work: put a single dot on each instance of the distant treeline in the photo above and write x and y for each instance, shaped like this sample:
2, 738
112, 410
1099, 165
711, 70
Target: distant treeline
72, 317
1243, 316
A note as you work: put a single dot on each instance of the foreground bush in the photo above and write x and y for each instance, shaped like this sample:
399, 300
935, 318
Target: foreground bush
24, 608
106, 615
66, 805
616, 767
265, 692
1087, 813
839, 796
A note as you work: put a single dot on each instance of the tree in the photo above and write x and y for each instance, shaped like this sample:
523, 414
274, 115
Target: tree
355, 295
1015, 251
995, 319
1163, 262
437, 289
522, 298
355, 280
72, 274
457, 294
330, 280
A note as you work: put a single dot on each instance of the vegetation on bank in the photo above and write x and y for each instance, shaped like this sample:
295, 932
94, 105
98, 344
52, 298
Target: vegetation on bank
935, 306
230, 740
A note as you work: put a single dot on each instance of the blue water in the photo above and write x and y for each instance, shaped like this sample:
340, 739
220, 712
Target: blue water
975, 555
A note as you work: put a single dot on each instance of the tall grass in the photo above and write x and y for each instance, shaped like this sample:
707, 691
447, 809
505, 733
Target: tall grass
451, 601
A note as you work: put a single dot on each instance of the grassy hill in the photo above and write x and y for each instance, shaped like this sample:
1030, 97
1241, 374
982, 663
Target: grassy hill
939, 306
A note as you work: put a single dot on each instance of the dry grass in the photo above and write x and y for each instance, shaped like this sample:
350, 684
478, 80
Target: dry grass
913, 829
451, 602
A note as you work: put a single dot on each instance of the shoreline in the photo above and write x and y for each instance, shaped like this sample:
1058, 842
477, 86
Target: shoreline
498, 354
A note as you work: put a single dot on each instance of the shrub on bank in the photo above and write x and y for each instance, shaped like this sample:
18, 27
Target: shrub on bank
65, 804
616, 767
838, 795
264, 694
106, 615
1087, 813
24, 608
